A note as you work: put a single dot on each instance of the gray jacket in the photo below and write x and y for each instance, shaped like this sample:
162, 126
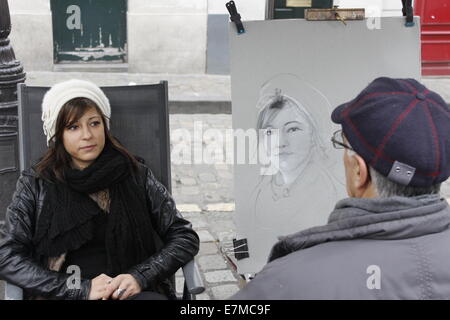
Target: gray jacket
392, 248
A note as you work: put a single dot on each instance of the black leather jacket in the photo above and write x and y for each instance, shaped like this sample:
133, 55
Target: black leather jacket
19, 266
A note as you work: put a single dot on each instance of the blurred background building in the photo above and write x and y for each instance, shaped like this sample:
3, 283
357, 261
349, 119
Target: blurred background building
137, 36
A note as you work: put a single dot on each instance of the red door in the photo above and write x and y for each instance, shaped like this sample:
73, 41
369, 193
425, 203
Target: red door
435, 21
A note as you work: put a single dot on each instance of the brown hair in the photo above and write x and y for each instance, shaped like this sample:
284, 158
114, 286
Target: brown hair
57, 159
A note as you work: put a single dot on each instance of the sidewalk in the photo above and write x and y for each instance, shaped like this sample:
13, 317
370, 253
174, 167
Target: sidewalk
188, 93
198, 88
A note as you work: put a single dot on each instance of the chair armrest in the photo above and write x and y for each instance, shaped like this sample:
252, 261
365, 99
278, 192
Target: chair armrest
192, 277
13, 292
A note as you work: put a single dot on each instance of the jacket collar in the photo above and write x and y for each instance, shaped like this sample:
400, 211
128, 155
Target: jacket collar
380, 218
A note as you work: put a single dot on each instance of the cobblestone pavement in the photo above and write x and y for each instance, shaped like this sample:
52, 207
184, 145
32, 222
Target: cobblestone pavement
204, 194
184, 87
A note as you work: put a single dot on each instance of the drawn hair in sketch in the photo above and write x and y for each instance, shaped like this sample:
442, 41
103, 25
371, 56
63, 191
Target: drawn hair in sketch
301, 115
277, 102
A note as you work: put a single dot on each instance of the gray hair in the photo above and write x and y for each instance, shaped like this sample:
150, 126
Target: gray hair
387, 188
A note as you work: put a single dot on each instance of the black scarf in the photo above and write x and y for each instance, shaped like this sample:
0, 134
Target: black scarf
66, 221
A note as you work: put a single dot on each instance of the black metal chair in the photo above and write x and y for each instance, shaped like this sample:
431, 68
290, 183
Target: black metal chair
140, 120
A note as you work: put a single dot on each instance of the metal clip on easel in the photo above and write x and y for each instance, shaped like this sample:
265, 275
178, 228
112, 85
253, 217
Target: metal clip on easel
235, 17
238, 248
408, 12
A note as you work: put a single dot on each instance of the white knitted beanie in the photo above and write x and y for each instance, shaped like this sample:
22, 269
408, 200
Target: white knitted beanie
60, 93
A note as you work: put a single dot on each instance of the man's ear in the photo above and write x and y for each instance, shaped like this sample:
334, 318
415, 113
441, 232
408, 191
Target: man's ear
362, 172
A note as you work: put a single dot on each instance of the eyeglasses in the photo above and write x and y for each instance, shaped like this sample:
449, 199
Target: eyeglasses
338, 141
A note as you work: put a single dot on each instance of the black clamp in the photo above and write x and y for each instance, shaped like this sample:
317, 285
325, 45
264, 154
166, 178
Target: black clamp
235, 17
408, 12
240, 248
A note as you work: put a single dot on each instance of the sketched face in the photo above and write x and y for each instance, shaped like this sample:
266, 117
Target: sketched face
293, 135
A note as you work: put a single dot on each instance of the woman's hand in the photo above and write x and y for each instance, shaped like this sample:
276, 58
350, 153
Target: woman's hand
122, 287
98, 286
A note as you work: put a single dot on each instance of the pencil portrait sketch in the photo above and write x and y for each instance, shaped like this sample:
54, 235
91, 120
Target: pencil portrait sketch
302, 189
287, 76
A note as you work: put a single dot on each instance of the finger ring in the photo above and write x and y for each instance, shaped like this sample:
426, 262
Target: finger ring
120, 291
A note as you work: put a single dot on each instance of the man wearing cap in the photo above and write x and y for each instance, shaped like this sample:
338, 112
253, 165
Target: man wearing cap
391, 238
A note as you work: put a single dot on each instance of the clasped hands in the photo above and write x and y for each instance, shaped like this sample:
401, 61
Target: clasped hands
121, 287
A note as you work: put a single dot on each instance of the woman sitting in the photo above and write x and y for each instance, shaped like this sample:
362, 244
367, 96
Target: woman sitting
90, 210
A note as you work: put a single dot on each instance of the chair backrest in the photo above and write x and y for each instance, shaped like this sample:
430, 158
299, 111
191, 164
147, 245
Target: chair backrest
139, 120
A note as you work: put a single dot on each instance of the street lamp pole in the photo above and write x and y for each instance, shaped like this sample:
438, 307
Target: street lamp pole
11, 73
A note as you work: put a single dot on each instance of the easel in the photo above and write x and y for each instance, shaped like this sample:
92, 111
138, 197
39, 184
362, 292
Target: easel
353, 44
